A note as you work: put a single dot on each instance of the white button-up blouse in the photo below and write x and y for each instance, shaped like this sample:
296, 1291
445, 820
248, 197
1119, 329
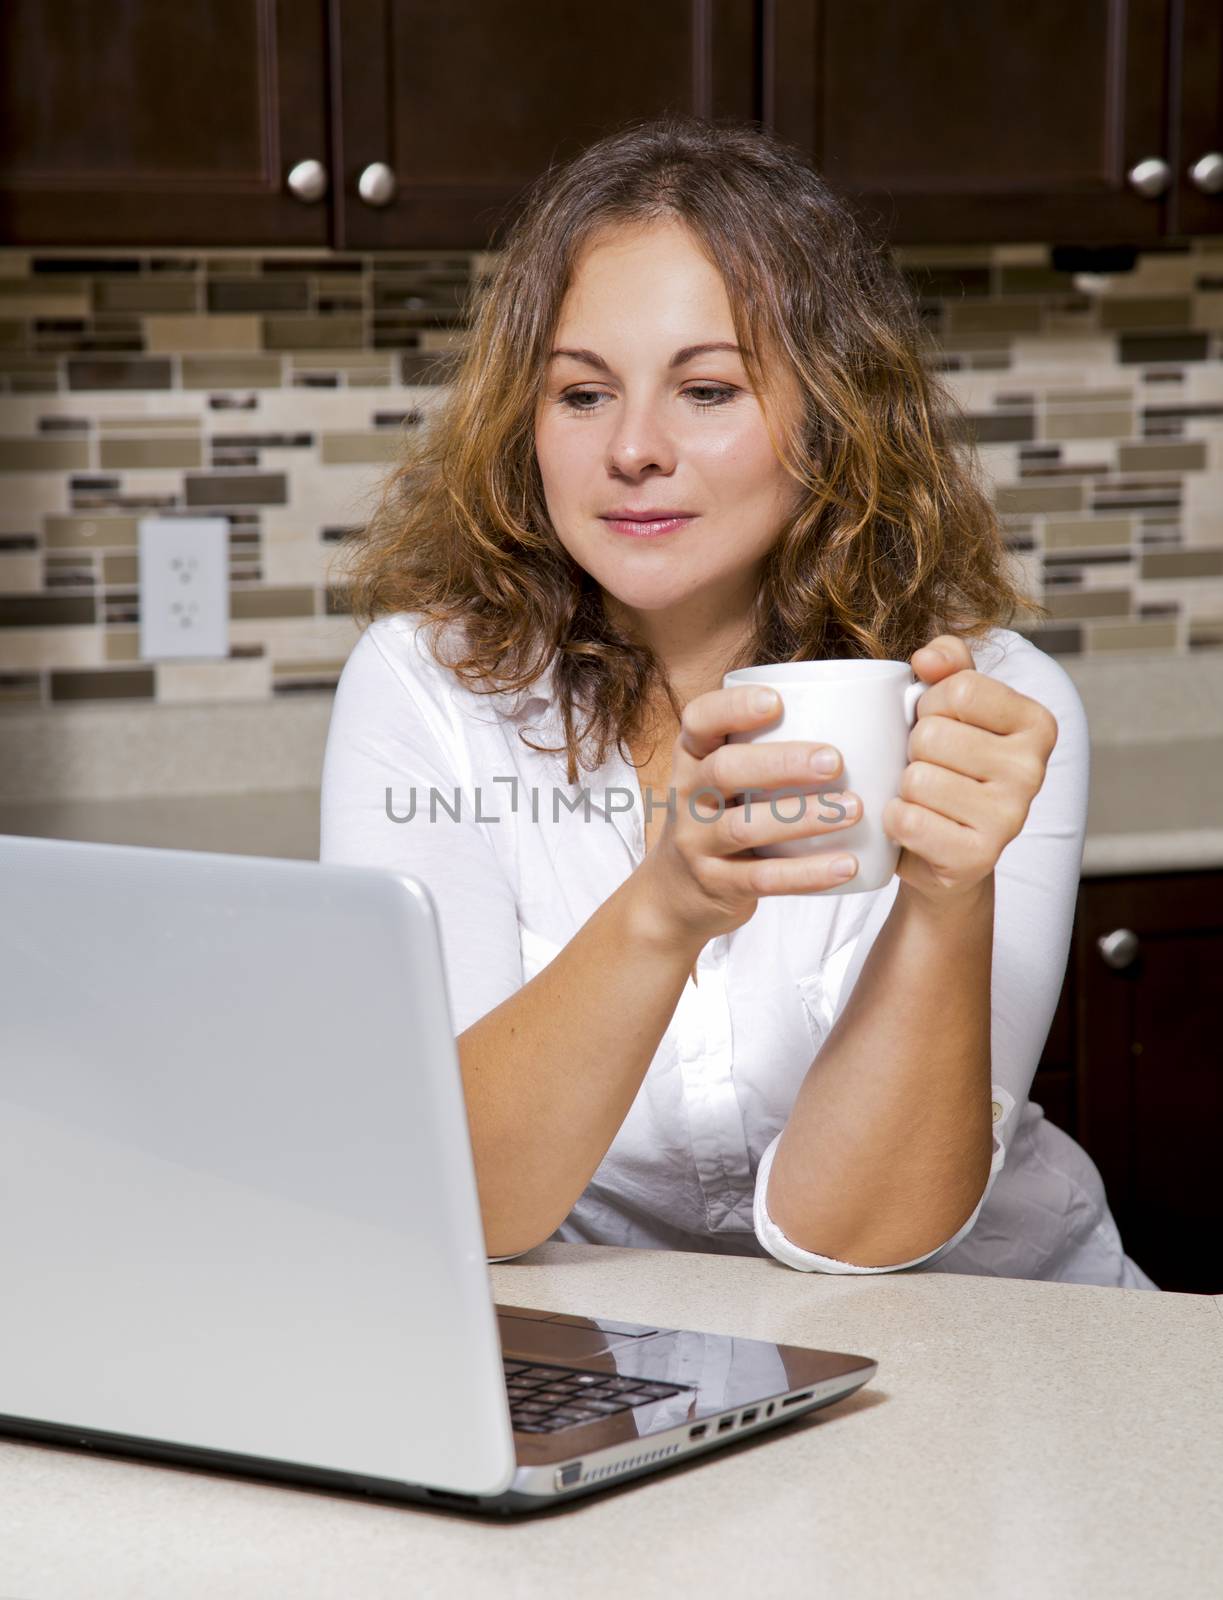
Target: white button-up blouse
421, 775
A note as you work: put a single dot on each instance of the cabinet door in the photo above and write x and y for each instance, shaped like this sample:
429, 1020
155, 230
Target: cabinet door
465, 103
1151, 1068
1198, 196
140, 122
976, 119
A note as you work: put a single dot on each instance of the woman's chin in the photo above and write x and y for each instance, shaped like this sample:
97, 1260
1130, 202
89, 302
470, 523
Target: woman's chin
646, 597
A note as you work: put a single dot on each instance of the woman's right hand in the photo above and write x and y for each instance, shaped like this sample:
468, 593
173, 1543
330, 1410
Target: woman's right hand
701, 878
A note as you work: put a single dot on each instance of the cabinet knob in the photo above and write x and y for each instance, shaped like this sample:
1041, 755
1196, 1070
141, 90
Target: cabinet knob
1150, 177
1118, 947
376, 185
1206, 173
308, 181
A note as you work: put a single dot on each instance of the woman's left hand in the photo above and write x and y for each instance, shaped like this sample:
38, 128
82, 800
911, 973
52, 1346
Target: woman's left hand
977, 758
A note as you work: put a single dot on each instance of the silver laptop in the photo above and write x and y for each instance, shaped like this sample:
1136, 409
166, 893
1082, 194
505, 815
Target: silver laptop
239, 1227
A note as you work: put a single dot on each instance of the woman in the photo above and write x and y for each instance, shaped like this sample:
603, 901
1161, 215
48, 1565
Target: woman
692, 430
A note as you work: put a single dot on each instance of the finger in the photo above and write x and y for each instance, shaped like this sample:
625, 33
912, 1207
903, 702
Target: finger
709, 717
772, 820
950, 794
961, 746
770, 875
986, 702
948, 847
944, 653
734, 769
773, 875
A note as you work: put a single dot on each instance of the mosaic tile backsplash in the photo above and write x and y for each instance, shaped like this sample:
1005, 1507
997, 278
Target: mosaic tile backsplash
273, 389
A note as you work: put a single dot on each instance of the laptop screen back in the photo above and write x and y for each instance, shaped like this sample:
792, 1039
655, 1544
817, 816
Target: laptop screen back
238, 1204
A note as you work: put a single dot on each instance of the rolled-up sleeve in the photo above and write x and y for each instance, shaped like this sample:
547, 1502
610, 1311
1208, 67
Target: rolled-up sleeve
1036, 882
793, 1255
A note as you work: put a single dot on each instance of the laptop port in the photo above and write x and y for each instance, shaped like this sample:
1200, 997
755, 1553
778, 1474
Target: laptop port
726, 1424
748, 1416
699, 1432
795, 1398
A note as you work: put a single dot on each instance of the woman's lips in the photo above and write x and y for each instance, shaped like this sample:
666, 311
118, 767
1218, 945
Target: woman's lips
647, 530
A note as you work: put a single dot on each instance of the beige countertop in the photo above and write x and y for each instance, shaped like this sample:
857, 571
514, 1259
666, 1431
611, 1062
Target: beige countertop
1154, 806
244, 776
272, 823
1020, 1439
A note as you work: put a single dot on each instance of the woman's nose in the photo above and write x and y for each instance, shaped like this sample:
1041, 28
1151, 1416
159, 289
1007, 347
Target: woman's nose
641, 438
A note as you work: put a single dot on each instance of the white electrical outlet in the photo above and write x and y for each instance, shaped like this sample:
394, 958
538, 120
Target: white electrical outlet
184, 587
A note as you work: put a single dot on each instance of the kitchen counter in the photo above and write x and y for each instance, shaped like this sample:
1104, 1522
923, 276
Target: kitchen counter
244, 776
270, 823
1154, 807
1019, 1438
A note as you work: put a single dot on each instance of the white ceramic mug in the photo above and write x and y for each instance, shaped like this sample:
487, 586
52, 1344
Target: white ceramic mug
864, 709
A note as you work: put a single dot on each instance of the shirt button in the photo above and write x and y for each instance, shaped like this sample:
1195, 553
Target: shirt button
997, 1110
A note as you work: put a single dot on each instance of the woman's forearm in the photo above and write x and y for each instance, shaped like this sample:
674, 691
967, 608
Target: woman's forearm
549, 1075
887, 1150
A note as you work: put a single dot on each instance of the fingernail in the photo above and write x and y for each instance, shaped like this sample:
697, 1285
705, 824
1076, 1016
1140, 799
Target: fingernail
764, 699
844, 867
825, 762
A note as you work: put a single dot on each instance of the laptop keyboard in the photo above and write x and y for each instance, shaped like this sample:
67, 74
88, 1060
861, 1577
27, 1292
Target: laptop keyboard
544, 1399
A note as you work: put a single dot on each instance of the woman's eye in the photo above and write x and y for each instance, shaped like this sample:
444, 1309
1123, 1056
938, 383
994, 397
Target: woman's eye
719, 391
575, 398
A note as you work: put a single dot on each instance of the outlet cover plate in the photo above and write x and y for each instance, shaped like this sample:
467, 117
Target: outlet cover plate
184, 588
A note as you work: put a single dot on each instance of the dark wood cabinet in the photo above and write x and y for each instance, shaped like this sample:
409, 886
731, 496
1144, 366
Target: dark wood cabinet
1133, 1067
1196, 135
128, 121
132, 122
969, 122
467, 102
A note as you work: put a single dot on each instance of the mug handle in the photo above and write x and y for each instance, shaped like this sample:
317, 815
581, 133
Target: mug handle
913, 694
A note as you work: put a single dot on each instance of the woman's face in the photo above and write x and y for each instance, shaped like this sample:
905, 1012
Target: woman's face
631, 419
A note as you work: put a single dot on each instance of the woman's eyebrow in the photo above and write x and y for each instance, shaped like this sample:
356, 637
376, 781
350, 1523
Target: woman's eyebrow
679, 359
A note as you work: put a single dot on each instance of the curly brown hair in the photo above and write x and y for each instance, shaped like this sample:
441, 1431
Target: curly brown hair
895, 538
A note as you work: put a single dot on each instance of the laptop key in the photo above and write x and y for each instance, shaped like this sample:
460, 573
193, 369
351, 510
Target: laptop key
544, 1399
